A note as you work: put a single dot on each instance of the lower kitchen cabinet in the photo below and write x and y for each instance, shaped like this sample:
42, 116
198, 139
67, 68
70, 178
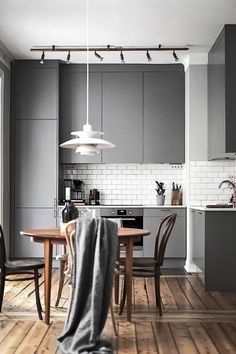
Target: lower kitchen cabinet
214, 245
198, 234
22, 246
176, 247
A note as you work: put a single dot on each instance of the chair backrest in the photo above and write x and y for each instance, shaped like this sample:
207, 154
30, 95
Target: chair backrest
2, 249
163, 234
69, 234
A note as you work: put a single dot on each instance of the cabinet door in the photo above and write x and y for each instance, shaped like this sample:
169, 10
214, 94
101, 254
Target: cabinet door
122, 116
176, 246
194, 228
164, 117
36, 91
23, 246
35, 163
201, 243
73, 99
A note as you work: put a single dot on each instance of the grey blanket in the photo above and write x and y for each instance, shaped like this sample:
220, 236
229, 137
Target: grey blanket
91, 279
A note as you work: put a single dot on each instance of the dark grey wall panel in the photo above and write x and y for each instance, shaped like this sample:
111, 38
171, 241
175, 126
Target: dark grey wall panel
164, 117
122, 116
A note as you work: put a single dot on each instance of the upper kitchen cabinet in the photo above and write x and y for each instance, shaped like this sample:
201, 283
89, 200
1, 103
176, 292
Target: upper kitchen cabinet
36, 90
221, 95
122, 103
164, 115
73, 99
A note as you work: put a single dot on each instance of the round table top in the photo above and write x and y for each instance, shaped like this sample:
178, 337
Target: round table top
56, 233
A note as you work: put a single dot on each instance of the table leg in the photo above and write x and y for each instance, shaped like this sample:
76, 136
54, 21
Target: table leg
128, 269
47, 278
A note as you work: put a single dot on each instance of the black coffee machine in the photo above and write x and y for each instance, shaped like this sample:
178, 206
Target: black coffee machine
94, 197
76, 189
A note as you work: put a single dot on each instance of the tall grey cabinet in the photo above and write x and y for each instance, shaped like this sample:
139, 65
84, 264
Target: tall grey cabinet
221, 95
34, 117
164, 117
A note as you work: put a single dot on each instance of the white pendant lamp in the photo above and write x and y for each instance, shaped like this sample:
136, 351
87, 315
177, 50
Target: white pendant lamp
87, 142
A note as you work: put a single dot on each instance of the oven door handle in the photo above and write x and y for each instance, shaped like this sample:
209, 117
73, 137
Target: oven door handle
128, 219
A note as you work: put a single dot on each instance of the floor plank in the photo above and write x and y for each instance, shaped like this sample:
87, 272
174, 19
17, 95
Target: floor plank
146, 343
201, 339
10, 343
164, 338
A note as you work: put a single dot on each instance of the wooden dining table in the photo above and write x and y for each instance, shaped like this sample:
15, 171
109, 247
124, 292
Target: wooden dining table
52, 236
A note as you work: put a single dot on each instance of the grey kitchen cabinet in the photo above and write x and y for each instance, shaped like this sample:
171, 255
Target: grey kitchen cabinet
23, 246
122, 103
198, 237
221, 95
34, 151
216, 243
140, 108
164, 117
36, 163
35, 90
73, 99
176, 247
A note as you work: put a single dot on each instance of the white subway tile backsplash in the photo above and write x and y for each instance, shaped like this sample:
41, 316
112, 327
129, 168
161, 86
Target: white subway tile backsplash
135, 183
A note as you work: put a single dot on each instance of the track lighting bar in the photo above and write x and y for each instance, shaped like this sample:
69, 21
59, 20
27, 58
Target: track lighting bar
108, 48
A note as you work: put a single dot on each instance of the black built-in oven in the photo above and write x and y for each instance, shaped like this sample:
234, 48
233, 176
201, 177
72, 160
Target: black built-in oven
130, 217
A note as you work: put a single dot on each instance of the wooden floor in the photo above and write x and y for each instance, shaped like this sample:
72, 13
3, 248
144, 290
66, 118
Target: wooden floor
194, 321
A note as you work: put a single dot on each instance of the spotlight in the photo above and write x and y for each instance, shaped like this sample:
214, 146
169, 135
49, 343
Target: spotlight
175, 56
68, 58
122, 58
42, 58
98, 56
148, 56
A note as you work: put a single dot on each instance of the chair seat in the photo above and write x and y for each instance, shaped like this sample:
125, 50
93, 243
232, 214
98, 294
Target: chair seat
24, 264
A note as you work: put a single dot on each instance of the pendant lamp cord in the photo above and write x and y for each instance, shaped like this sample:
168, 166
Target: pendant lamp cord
87, 59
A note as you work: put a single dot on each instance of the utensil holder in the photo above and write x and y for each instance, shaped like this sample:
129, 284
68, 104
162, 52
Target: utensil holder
176, 198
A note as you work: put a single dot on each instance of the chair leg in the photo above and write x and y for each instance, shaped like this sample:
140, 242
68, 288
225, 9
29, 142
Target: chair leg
122, 301
61, 281
38, 303
158, 293
2, 286
113, 319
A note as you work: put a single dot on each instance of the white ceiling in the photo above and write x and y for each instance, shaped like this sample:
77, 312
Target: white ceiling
27, 23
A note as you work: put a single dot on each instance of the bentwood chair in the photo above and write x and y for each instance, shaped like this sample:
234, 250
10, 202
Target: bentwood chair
151, 267
69, 234
24, 267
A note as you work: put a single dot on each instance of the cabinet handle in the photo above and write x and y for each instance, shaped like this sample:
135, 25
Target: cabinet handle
55, 202
55, 213
165, 209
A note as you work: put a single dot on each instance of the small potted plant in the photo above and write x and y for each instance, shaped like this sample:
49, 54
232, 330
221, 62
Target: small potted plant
160, 197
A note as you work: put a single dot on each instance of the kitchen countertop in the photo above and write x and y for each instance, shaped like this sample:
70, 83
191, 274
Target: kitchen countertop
204, 208
128, 206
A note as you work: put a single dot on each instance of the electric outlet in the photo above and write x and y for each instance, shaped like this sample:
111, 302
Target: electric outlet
176, 167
